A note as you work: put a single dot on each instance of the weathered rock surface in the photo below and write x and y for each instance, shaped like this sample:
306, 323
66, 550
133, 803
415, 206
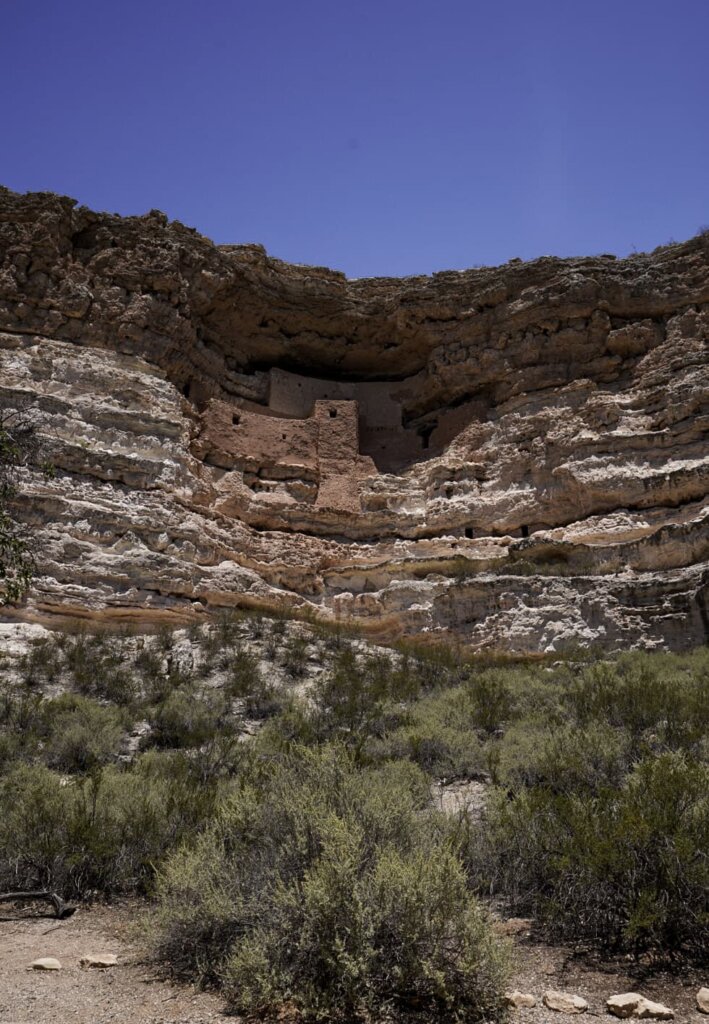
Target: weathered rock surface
649, 1010
99, 960
46, 963
633, 1004
624, 1005
564, 1002
520, 1000
515, 456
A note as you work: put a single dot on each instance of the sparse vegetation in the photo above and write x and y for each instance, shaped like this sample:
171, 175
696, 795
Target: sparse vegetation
333, 888
602, 827
18, 446
275, 781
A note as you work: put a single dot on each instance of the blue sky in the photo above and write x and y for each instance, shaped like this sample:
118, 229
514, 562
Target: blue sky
377, 136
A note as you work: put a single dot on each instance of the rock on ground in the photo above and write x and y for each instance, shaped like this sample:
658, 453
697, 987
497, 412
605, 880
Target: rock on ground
564, 1002
46, 963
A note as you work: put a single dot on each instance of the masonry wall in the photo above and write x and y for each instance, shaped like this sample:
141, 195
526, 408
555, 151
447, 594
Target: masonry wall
324, 448
338, 454
381, 433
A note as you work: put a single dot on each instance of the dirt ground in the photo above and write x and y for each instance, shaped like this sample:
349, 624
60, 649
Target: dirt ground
539, 967
130, 993
133, 993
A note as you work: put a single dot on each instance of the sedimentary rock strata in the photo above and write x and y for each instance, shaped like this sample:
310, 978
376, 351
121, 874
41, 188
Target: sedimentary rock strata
516, 456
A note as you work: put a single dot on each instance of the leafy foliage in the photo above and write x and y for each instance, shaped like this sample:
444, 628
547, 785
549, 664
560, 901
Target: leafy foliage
334, 888
18, 447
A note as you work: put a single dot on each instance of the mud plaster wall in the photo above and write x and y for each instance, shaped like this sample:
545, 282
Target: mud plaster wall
382, 435
282, 456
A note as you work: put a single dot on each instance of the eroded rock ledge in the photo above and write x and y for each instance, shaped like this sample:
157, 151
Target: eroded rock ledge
514, 455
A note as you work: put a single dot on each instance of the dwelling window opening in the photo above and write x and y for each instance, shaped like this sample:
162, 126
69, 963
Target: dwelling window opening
469, 532
425, 435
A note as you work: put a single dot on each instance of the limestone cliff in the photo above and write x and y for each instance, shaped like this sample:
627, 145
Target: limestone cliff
516, 455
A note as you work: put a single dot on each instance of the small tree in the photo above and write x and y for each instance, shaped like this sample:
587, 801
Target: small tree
18, 447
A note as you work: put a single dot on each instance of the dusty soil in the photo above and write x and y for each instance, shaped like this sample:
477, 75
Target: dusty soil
538, 967
130, 993
133, 992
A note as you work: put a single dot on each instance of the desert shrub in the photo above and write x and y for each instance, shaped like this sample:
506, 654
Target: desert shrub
42, 661
278, 627
624, 868
79, 734
96, 666
492, 699
334, 889
188, 718
438, 734
244, 674
221, 638
425, 668
350, 700
661, 701
148, 665
21, 723
98, 834
259, 695
294, 656
562, 759
293, 726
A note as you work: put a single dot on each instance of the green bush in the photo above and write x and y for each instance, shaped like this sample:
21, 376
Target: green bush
334, 889
187, 718
96, 666
661, 701
437, 733
79, 734
562, 759
21, 723
103, 833
244, 674
353, 699
492, 699
623, 868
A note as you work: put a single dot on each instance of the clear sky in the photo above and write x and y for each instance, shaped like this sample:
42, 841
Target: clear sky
374, 136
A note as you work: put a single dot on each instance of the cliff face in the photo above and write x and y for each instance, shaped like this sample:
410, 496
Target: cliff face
515, 455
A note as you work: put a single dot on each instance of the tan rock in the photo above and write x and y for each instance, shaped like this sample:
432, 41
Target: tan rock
46, 963
518, 1000
647, 1010
99, 960
624, 1005
564, 1002
703, 1000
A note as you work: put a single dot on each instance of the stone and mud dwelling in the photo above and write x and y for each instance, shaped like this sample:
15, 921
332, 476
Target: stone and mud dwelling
513, 457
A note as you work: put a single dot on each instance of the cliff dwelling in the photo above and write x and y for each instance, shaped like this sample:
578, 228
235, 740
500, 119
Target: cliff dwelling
485, 453
316, 438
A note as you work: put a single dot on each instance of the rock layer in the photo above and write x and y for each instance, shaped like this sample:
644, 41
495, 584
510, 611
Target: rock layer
513, 456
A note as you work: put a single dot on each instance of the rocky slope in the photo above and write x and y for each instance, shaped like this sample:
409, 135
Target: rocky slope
516, 456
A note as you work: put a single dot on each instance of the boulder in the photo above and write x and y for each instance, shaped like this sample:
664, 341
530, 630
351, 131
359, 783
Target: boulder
46, 963
703, 1000
564, 1002
517, 999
